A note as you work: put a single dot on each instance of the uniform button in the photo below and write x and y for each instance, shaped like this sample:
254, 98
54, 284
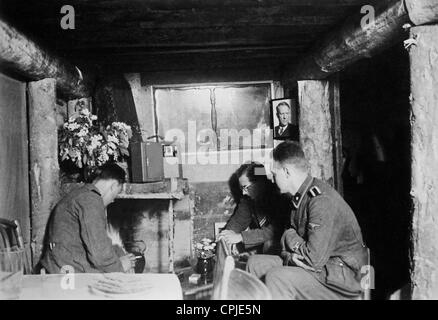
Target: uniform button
341, 264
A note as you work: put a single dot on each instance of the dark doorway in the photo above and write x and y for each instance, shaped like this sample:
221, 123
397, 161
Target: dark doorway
375, 112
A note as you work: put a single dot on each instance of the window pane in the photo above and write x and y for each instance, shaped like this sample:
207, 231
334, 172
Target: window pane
243, 110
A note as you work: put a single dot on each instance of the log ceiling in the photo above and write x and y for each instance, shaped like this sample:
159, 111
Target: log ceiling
181, 35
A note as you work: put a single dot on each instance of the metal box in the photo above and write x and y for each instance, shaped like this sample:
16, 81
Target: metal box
147, 161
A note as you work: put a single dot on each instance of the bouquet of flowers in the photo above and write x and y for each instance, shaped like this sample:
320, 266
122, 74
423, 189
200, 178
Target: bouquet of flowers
206, 248
89, 145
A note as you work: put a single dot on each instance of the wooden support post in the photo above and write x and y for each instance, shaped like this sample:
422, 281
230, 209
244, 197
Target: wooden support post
44, 168
171, 237
424, 119
335, 111
316, 127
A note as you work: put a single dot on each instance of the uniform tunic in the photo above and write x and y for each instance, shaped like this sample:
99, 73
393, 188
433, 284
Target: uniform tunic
260, 223
77, 236
324, 230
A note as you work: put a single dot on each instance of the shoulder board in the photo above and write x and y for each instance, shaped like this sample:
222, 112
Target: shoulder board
314, 191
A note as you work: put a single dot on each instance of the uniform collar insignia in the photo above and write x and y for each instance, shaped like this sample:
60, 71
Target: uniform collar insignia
92, 188
297, 197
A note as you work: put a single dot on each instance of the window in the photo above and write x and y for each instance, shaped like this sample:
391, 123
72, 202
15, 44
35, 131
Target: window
215, 117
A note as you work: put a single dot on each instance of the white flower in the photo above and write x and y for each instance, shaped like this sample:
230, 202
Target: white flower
102, 159
113, 139
93, 117
95, 141
83, 132
199, 246
85, 112
206, 241
73, 126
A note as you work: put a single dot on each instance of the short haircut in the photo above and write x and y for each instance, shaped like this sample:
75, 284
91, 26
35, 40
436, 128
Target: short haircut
290, 152
110, 171
282, 104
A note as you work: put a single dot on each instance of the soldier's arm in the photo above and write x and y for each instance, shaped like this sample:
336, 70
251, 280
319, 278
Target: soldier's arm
241, 219
321, 233
94, 235
255, 237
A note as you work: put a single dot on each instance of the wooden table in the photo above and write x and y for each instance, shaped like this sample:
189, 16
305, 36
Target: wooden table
164, 286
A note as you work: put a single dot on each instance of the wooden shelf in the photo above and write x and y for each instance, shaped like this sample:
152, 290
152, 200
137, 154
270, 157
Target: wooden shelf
173, 196
168, 189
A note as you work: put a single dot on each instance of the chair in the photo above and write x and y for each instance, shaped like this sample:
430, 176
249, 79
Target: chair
366, 292
11, 238
231, 283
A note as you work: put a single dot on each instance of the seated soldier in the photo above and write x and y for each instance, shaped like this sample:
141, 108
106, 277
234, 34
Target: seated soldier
322, 250
259, 218
76, 233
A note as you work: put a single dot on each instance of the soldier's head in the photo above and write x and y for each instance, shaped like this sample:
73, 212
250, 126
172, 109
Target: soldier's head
290, 167
109, 181
252, 180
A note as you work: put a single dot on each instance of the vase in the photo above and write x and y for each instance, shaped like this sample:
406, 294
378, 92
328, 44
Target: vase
87, 175
204, 267
138, 249
124, 166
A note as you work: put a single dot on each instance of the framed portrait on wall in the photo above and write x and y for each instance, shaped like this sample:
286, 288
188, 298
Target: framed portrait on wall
284, 119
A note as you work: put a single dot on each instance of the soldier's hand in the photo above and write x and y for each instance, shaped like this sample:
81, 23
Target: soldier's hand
297, 260
230, 237
128, 262
287, 257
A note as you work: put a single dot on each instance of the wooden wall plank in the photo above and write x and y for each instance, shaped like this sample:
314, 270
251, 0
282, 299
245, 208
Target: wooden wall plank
14, 156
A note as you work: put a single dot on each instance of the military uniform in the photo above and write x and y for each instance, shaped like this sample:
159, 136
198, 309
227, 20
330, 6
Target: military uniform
76, 235
261, 224
324, 230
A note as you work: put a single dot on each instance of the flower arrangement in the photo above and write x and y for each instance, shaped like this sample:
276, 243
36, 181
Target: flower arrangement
89, 145
206, 248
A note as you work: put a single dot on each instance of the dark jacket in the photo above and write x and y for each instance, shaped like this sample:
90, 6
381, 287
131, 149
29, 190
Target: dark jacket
324, 230
77, 235
290, 133
262, 222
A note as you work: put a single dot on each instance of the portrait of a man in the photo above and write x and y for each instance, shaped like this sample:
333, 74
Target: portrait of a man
284, 119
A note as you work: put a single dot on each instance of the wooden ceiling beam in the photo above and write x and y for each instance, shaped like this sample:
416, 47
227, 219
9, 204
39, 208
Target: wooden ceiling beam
177, 38
125, 52
20, 55
351, 43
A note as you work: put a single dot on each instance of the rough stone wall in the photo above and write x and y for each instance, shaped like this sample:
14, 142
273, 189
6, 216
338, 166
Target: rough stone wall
424, 120
315, 127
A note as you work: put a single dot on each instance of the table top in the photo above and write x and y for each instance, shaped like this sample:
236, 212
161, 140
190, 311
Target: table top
160, 286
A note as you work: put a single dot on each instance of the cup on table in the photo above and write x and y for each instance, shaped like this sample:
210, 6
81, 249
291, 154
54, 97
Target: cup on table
11, 273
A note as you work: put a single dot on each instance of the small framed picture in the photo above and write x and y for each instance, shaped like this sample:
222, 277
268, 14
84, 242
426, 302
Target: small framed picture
284, 119
169, 151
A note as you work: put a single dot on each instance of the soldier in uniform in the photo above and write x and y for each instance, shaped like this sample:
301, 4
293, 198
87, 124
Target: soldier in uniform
260, 215
322, 250
76, 232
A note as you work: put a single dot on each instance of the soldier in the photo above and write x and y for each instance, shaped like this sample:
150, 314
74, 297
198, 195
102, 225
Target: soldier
76, 233
259, 218
322, 250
